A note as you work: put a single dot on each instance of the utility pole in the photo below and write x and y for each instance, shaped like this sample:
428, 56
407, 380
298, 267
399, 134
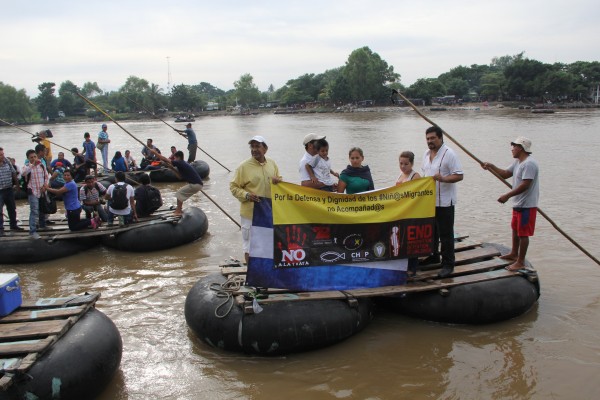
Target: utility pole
168, 74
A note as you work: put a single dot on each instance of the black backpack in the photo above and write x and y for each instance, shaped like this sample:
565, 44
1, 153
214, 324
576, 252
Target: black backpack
153, 198
119, 200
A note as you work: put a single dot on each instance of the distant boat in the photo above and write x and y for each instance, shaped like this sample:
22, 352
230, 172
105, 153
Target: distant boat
438, 109
184, 118
542, 111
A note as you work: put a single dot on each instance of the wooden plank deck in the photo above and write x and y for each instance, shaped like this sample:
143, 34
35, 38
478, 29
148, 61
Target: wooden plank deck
28, 332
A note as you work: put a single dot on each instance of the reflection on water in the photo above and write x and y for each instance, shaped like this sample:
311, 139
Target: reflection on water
552, 351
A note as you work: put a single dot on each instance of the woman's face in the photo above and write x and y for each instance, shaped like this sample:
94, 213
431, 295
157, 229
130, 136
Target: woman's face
356, 159
405, 165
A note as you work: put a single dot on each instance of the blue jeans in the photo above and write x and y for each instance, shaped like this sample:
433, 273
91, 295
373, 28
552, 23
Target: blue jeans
127, 218
7, 196
104, 152
35, 216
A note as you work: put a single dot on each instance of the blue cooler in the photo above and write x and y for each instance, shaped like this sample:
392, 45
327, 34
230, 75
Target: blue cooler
10, 293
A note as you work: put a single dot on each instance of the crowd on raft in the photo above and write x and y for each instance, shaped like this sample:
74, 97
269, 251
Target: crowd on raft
43, 179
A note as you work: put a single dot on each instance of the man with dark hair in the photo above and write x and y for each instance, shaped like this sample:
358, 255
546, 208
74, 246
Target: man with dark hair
73, 206
186, 172
121, 201
525, 194
36, 176
91, 198
147, 197
61, 159
442, 164
89, 151
8, 180
79, 165
190, 135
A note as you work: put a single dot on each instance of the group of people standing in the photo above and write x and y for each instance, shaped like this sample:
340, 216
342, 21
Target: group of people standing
41, 176
253, 177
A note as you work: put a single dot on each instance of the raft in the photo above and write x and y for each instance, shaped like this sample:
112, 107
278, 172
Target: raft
480, 290
58, 349
160, 233
20, 248
236, 324
168, 175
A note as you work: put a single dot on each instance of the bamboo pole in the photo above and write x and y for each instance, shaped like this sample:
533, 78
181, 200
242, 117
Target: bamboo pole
542, 213
142, 143
172, 127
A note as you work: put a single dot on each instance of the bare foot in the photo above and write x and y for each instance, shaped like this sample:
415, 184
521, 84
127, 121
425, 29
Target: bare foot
509, 257
515, 267
178, 213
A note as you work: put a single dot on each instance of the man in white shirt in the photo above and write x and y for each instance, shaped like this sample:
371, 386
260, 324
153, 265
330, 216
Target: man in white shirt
309, 143
442, 164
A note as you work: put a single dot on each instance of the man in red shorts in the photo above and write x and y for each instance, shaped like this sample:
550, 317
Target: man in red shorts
525, 194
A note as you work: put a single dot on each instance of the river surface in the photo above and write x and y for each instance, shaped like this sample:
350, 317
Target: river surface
553, 351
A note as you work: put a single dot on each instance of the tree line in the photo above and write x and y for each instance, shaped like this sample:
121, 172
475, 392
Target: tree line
364, 76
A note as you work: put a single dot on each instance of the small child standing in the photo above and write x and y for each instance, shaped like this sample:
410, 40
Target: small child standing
319, 168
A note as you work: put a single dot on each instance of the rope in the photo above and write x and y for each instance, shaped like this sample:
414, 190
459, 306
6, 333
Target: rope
226, 290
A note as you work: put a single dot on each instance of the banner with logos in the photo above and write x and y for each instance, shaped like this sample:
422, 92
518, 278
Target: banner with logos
307, 239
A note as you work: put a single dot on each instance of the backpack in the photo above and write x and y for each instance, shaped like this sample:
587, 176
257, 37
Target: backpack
119, 200
154, 201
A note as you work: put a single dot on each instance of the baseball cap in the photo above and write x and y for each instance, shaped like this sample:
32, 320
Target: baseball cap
523, 142
59, 164
312, 137
258, 139
88, 177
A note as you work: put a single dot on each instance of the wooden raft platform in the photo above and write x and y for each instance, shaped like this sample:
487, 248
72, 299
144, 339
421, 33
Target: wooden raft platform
29, 331
60, 231
475, 262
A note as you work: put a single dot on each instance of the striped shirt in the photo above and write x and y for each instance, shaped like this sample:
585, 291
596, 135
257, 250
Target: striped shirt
6, 174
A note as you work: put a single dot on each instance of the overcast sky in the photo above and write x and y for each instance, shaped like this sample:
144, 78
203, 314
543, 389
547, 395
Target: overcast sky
274, 41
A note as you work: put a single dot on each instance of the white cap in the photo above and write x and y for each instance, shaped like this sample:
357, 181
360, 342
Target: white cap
523, 142
312, 137
258, 139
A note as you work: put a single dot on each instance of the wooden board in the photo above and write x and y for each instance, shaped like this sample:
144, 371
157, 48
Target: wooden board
28, 332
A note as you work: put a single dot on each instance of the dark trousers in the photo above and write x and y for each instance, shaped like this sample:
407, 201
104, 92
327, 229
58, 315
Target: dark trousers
75, 222
444, 234
192, 147
7, 198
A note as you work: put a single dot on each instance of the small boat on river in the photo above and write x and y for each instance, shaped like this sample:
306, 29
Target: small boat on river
226, 314
58, 348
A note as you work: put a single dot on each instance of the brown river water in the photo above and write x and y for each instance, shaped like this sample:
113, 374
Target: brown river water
553, 351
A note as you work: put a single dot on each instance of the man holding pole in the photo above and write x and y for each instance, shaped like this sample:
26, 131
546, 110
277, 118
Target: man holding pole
190, 135
186, 172
525, 194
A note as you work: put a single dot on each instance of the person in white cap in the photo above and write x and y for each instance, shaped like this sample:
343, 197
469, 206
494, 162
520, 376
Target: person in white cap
525, 194
309, 143
251, 181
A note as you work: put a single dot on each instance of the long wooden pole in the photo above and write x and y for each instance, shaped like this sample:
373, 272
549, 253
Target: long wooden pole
542, 213
175, 129
142, 143
54, 143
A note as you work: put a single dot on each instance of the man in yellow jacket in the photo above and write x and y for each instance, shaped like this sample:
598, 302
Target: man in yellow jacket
251, 181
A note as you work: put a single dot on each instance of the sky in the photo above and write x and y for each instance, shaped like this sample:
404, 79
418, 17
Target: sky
174, 42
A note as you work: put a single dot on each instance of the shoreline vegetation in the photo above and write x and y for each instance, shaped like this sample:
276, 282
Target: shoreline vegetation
348, 108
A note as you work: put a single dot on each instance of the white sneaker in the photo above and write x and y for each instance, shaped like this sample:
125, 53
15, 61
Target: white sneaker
35, 236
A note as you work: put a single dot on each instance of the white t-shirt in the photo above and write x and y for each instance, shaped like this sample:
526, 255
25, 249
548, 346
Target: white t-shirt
445, 163
304, 176
130, 194
528, 169
322, 170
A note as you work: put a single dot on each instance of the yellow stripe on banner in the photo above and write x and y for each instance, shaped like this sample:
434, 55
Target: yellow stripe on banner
294, 204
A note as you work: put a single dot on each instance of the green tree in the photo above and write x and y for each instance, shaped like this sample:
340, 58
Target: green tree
493, 85
246, 92
367, 74
46, 102
521, 76
185, 98
68, 101
426, 89
90, 89
14, 104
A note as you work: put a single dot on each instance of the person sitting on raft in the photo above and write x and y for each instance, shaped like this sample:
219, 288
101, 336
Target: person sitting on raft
147, 197
71, 198
121, 201
118, 162
91, 198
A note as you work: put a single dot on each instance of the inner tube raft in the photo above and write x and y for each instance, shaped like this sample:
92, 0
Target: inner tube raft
280, 328
168, 175
26, 250
78, 366
473, 303
160, 234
